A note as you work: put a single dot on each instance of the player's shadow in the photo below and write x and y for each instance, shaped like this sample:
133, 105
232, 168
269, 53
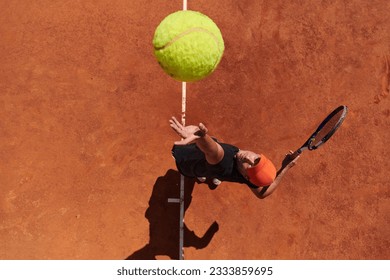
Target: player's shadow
164, 220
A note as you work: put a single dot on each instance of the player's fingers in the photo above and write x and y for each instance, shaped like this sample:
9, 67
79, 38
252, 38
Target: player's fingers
203, 128
177, 122
173, 120
173, 125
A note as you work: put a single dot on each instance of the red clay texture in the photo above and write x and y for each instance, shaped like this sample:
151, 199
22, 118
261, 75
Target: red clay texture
85, 144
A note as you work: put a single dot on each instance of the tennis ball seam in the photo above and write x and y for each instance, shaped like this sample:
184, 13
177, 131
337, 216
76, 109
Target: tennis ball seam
189, 31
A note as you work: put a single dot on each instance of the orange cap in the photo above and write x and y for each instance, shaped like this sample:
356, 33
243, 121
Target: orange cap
263, 173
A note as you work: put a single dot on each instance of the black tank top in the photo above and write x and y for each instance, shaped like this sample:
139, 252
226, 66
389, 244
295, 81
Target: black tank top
191, 162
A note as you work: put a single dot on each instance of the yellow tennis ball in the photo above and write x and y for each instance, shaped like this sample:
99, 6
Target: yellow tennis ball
188, 45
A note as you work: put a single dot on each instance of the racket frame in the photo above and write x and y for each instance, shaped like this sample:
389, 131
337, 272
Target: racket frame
307, 145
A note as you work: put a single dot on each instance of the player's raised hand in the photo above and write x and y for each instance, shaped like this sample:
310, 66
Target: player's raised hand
189, 134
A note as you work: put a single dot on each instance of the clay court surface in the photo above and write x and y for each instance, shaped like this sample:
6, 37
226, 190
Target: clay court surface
85, 161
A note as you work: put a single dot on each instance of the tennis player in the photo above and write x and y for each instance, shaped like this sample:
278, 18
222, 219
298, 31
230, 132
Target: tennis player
199, 155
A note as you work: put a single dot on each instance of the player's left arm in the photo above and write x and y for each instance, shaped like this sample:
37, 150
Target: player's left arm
212, 150
287, 164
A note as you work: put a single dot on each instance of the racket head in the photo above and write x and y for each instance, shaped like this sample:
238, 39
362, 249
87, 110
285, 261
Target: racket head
327, 127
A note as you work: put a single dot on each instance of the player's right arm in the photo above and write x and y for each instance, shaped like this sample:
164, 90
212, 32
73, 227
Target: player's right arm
198, 134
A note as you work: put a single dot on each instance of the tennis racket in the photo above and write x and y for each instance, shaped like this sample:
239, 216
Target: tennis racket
324, 131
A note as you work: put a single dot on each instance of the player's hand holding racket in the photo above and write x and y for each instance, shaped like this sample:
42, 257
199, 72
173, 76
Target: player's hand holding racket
290, 160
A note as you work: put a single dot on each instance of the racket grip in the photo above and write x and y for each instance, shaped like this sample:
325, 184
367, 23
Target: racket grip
296, 154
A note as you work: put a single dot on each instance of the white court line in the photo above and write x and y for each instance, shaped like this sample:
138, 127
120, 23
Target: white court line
181, 199
183, 121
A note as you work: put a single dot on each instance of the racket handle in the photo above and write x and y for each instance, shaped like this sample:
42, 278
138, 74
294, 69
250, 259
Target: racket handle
296, 154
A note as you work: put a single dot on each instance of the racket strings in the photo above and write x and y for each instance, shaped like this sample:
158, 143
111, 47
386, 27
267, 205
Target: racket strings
327, 128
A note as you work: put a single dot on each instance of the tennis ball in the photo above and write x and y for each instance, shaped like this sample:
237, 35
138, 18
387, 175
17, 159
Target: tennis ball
188, 45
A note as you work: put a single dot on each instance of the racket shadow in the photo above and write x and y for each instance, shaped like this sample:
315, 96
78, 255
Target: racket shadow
163, 218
